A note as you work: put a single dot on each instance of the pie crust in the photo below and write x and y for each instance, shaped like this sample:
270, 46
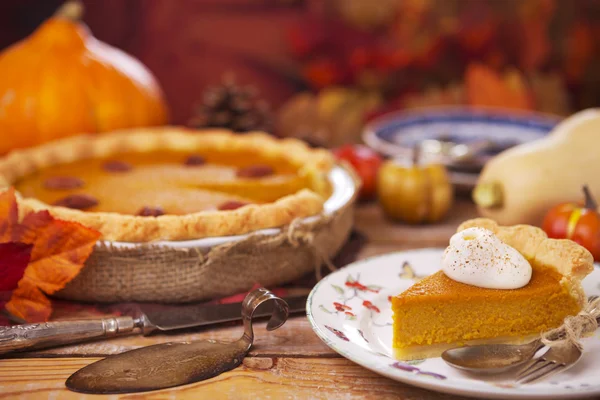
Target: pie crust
573, 261
314, 164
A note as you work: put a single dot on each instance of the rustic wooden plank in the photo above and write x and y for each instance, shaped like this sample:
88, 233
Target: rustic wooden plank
371, 221
295, 338
264, 377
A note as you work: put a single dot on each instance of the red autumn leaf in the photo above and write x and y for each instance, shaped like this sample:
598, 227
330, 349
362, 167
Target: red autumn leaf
14, 258
59, 250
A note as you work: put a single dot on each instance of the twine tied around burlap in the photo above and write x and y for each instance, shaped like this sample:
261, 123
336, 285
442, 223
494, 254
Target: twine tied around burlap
574, 327
296, 235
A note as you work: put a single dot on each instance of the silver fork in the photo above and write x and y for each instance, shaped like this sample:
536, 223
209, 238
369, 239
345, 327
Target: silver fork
555, 360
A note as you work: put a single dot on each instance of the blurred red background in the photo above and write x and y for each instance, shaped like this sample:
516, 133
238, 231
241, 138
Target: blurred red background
284, 46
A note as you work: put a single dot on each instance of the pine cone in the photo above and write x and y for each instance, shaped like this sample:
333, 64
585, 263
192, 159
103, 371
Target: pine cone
233, 107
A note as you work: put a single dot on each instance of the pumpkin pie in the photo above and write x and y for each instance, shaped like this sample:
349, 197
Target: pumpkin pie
171, 183
438, 313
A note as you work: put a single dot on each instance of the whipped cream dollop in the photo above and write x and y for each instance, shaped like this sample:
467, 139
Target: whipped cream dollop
477, 257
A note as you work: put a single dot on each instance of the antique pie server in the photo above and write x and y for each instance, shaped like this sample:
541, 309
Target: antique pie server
37, 336
177, 363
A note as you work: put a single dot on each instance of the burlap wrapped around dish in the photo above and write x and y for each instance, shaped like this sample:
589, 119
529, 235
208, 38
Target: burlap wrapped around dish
170, 275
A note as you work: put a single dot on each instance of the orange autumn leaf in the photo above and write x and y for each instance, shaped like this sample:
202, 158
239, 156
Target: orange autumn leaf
60, 249
485, 87
29, 303
9, 214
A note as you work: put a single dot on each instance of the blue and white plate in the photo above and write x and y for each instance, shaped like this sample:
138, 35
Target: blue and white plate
396, 134
350, 311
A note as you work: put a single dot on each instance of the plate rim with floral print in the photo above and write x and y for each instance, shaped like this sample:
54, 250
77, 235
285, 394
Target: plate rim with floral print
350, 311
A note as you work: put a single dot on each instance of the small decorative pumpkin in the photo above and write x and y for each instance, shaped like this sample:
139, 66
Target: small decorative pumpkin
61, 81
414, 192
580, 223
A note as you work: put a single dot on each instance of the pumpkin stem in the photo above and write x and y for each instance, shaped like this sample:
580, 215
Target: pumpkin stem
488, 195
590, 202
72, 9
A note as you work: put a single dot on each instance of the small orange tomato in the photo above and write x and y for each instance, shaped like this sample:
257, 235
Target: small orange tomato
366, 163
576, 222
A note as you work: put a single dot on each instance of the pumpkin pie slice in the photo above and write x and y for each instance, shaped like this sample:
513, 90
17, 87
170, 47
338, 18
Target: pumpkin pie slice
438, 313
171, 183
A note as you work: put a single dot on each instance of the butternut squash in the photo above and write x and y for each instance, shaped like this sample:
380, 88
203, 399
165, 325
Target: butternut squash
521, 184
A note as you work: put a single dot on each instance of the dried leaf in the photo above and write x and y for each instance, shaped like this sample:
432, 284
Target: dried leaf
57, 251
60, 249
27, 231
485, 87
14, 258
29, 303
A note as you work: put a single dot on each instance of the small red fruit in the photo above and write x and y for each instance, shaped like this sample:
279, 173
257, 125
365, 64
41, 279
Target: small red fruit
366, 163
578, 223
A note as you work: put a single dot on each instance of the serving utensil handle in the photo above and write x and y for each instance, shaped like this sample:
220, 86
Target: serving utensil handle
48, 334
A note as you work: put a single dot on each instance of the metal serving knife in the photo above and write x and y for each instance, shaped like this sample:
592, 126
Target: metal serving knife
37, 336
177, 363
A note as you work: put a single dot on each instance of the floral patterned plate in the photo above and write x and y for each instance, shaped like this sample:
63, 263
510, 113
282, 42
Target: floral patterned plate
350, 311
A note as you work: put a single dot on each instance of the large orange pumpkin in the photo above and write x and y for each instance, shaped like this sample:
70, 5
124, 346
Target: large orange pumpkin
62, 81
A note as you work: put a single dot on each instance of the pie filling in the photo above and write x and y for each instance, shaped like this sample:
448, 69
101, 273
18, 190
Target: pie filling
165, 182
455, 313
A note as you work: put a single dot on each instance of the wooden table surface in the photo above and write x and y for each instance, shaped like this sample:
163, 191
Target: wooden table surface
289, 363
